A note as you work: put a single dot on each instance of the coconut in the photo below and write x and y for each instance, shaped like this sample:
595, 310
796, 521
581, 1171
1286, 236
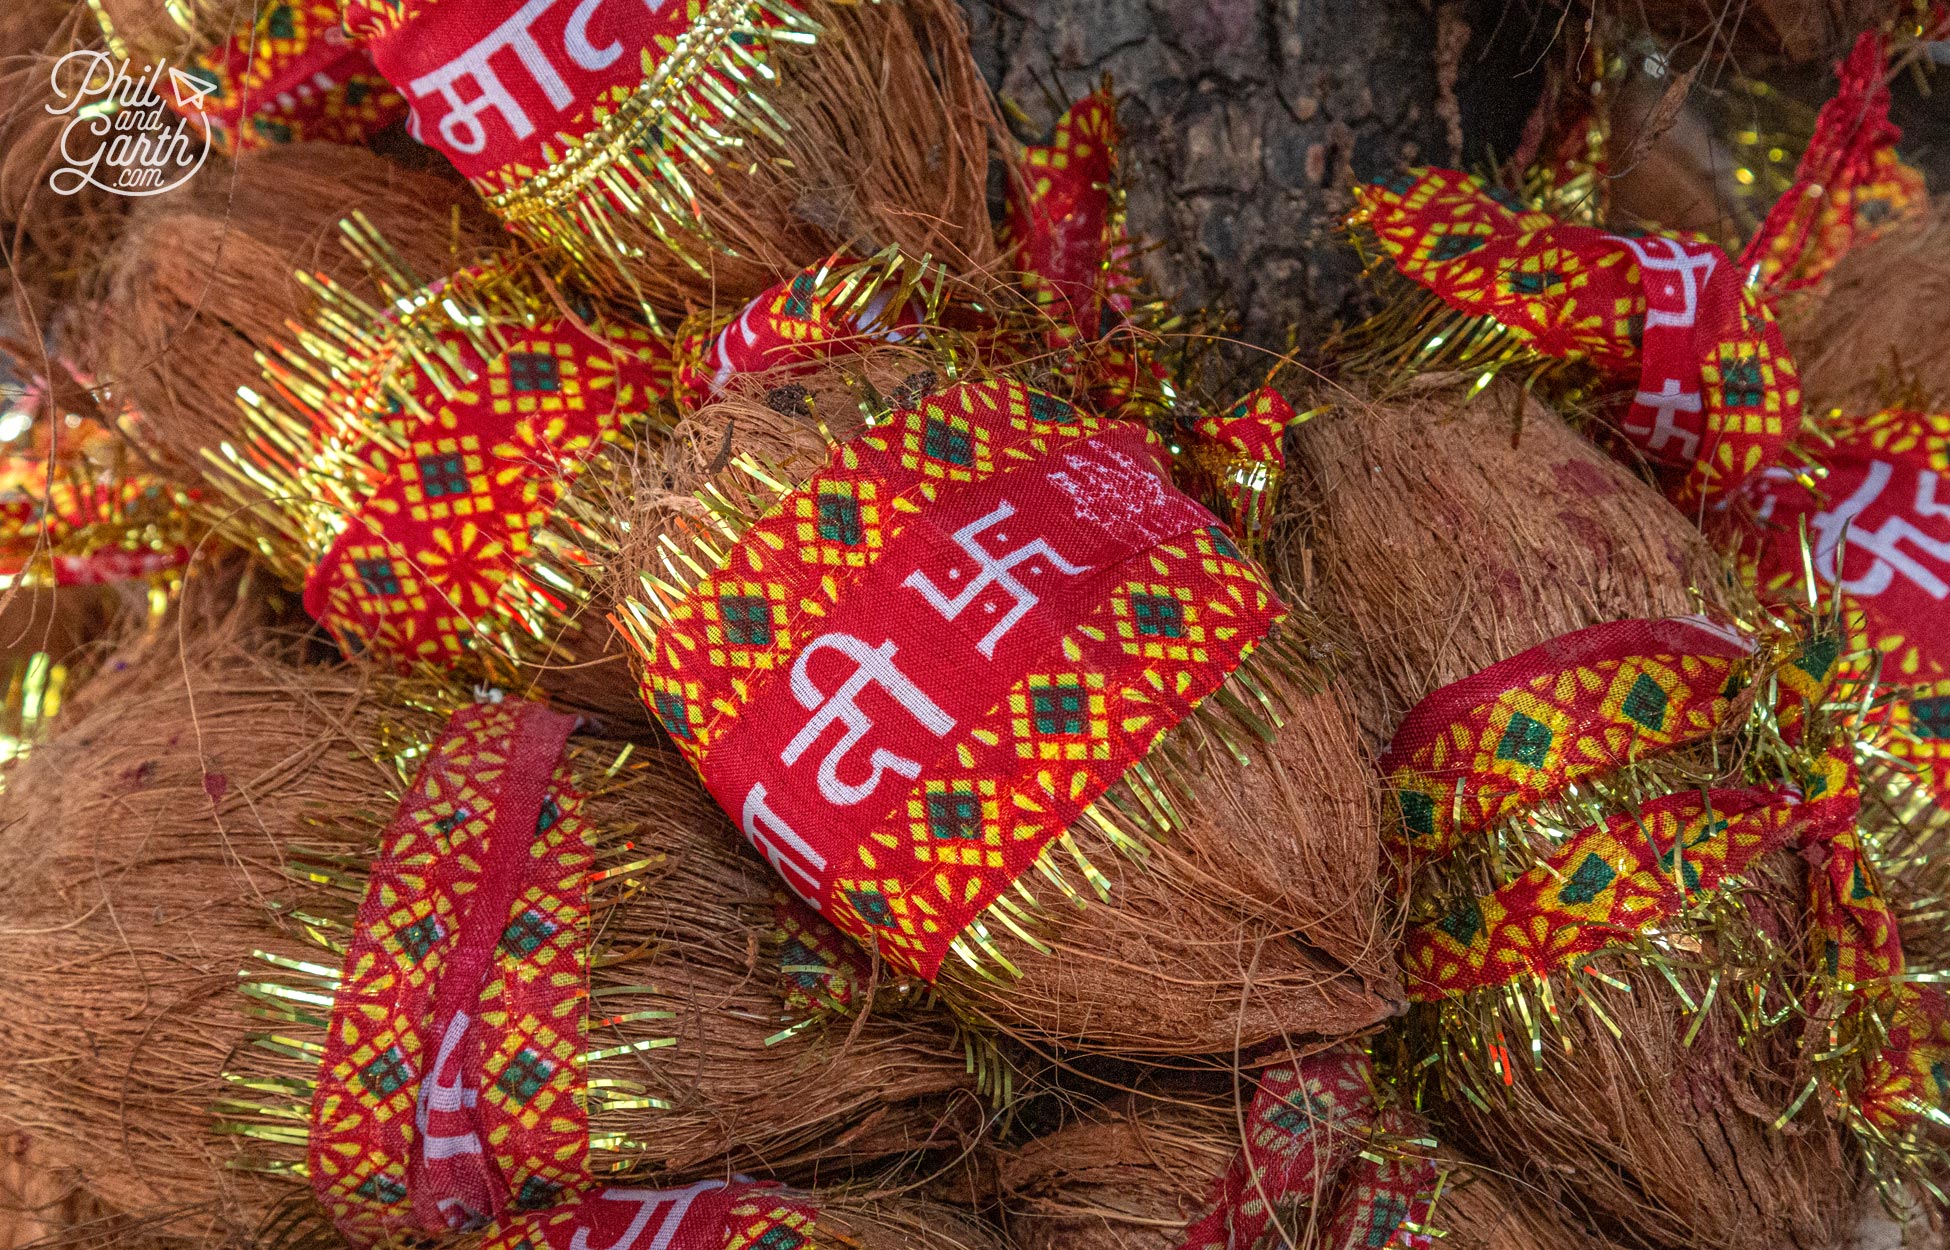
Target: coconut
1869, 337
214, 805
1132, 1174
867, 126
1129, 1175
1260, 917
206, 278
1457, 536
1448, 535
1672, 1143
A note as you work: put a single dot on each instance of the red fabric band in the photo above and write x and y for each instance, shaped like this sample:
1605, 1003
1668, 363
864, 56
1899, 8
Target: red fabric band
1305, 1131
501, 86
486, 844
1523, 729
974, 590
917, 670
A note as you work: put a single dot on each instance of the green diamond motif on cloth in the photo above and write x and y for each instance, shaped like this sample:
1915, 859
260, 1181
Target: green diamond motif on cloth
1588, 880
525, 1076
670, 710
527, 933
1525, 740
1058, 709
942, 441
872, 907
1646, 703
421, 936
382, 1189
387, 1073
1158, 616
1418, 813
747, 620
1464, 921
839, 518
956, 814
1297, 1114
1385, 1219
1818, 656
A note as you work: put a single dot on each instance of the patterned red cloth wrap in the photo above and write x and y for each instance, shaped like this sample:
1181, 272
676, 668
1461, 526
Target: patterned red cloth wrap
446, 1092
1877, 531
1060, 217
290, 76
921, 666
503, 88
445, 534
1717, 395
1307, 1128
1849, 184
1523, 730
1878, 527
449, 1094
800, 321
1640, 869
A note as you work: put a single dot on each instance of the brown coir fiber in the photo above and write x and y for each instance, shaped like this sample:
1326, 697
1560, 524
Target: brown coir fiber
164, 837
1126, 1176
205, 279
1480, 1209
1133, 1174
1874, 333
1449, 535
1261, 918
47, 240
1670, 1144
888, 134
1751, 33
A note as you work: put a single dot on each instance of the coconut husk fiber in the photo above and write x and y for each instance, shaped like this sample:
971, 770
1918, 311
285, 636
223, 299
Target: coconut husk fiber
159, 840
1262, 919
1753, 33
1480, 1209
1132, 1174
889, 130
205, 278
1450, 535
46, 240
1874, 333
1665, 1144
1129, 1175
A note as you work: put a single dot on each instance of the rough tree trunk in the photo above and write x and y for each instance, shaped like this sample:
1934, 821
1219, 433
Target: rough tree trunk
1246, 120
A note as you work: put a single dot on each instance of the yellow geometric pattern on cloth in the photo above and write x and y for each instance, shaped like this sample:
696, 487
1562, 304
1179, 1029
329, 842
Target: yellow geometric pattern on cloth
1186, 613
433, 550
531, 1014
1611, 881
1526, 744
1543, 280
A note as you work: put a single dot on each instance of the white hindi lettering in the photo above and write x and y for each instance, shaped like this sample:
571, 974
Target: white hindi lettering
575, 40
462, 127
1886, 542
667, 1206
444, 1091
1663, 403
1692, 269
992, 570
792, 856
872, 666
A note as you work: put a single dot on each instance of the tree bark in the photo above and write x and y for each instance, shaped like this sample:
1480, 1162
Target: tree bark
1246, 122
